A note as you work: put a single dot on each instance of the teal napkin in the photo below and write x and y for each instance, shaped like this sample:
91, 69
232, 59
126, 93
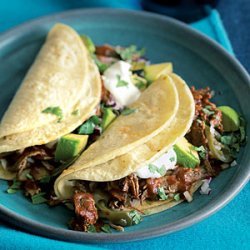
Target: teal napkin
227, 229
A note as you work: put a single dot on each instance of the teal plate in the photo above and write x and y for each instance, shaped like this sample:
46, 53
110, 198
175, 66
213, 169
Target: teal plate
199, 60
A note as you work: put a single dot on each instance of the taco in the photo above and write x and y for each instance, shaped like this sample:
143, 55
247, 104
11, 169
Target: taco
60, 91
117, 172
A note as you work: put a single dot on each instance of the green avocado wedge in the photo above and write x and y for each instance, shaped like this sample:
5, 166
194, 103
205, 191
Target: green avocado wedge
69, 146
186, 155
230, 119
108, 117
154, 71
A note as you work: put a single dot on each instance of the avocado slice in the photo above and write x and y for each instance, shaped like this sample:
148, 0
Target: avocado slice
108, 117
154, 71
69, 146
230, 119
186, 155
88, 43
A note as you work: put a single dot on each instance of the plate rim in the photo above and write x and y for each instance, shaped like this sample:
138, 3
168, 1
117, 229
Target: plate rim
241, 178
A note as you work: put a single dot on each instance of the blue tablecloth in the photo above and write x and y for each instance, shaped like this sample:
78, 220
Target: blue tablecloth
227, 229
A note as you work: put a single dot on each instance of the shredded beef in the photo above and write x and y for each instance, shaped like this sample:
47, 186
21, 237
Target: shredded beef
131, 187
31, 188
153, 184
197, 134
206, 113
85, 210
131, 184
23, 162
186, 177
119, 195
106, 50
179, 181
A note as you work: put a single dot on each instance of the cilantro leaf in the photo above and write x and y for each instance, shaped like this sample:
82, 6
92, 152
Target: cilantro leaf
135, 216
57, 111
201, 151
91, 229
162, 170
140, 85
162, 194
106, 228
38, 198
207, 111
242, 129
96, 120
29, 176
228, 139
101, 66
177, 197
172, 159
127, 54
120, 82
14, 187
128, 111
152, 168
88, 127
45, 179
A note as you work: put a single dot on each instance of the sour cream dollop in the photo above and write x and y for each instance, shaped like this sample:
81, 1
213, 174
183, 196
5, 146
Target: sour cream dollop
159, 167
124, 94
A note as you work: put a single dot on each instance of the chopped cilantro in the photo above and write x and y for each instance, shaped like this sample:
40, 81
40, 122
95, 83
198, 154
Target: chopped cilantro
162, 194
207, 111
106, 228
172, 159
139, 82
135, 216
140, 85
45, 179
96, 120
91, 229
38, 198
75, 112
57, 111
88, 127
14, 187
242, 129
177, 197
228, 139
154, 169
120, 82
201, 151
162, 170
101, 66
242, 133
29, 176
127, 54
128, 111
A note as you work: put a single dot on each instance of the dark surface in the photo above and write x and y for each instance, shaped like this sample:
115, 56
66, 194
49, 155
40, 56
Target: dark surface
235, 15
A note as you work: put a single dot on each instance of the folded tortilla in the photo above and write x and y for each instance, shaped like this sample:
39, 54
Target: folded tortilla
63, 75
103, 161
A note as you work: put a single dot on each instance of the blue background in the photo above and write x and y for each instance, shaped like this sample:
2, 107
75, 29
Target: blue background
227, 229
